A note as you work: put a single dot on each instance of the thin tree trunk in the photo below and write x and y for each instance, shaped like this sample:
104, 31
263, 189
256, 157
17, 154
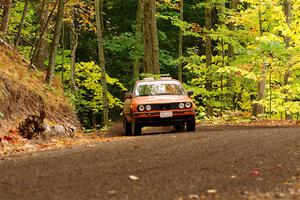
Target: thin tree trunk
73, 46
21, 23
62, 52
102, 62
33, 53
55, 43
138, 38
6, 16
43, 46
222, 77
154, 38
233, 7
261, 89
151, 54
102, 2
288, 18
287, 41
258, 108
221, 52
180, 42
40, 10
147, 50
230, 53
208, 53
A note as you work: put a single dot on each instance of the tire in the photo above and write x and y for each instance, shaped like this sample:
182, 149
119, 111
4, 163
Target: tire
127, 127
136, 129
191, 125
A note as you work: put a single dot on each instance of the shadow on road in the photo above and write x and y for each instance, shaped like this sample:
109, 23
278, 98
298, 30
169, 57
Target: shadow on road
159, 130
117, 130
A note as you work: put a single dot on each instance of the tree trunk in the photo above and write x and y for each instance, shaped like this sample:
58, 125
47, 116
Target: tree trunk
21, 23
102, 63
63, 45
151, 54
287, 41
230, 53
208, 54
221, 52
73, 46
43, 46
102, 2
258, 108
138, 38
55, 42
6, 16
36, 48
180, 42
233, 6
261, 89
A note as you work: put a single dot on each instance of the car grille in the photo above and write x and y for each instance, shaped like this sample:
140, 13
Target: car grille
168, 106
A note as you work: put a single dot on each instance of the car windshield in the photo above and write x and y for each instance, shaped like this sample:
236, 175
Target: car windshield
159, 88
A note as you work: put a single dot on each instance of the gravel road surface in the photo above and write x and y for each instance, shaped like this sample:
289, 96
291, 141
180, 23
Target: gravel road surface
212, 163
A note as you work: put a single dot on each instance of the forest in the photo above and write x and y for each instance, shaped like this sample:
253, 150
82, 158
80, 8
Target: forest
240, 57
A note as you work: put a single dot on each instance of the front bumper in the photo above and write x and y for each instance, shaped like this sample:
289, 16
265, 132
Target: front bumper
153, 118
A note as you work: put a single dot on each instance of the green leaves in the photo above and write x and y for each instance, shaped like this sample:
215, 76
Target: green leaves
260, 52
89, 97
187, 28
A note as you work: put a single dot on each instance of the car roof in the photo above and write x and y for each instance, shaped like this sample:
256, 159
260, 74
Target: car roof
168, 79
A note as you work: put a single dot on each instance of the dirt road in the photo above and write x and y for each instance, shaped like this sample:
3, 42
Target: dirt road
213, 163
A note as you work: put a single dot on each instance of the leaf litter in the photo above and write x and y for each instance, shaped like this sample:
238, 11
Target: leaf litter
12, 144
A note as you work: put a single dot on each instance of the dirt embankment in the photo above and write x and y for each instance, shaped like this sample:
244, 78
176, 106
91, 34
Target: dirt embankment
23, 93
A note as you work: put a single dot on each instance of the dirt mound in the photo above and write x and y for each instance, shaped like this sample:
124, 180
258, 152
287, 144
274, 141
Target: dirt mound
23, 92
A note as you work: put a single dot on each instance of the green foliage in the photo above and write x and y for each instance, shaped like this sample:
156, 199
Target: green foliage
235, 78
242, 54
15, 18
185, 26
154, 76
88, 98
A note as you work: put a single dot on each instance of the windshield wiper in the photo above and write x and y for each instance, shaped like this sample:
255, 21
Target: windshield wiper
167, 94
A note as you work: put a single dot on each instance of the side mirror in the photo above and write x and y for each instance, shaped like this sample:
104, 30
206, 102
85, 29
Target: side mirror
128, 96
190, 93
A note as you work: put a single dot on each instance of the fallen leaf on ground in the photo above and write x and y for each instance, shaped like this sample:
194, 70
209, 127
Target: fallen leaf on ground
255, 173
7, 138
194, 196
211, 191
133, 177
111, 192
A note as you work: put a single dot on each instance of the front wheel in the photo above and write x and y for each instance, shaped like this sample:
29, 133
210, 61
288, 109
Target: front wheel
191, 125
127, 127
136, 129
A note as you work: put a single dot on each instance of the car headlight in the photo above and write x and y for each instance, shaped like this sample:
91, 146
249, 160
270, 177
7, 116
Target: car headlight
181, 105
148, 107
141, 108
188, 104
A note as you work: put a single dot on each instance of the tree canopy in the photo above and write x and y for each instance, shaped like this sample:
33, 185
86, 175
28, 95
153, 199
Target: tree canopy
235, 55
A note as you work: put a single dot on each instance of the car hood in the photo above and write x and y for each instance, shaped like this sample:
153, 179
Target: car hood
161, 99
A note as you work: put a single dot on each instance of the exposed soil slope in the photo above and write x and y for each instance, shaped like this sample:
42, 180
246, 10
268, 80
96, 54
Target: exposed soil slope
23, 92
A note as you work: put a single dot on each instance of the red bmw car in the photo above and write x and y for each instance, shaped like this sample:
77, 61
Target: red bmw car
162, 102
